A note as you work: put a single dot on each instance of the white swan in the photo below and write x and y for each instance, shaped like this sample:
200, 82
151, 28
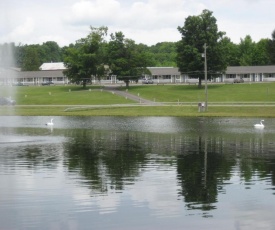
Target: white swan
50, 123
261, 125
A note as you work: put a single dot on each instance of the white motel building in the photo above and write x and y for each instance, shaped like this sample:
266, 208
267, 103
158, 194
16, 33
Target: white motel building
53, 72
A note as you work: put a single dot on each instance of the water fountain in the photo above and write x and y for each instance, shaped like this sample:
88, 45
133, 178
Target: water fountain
7, 52
7, 72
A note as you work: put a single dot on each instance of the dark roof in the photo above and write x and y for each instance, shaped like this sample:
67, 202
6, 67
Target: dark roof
164, 70
15, 73
229, 70
42, 73
250, 69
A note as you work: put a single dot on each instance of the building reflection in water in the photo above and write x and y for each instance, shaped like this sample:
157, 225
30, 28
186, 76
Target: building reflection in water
111, 161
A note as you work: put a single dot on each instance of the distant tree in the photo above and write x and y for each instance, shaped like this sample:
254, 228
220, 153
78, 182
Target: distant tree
19, 55
146, 52
197, 31
252, 53
271, 48
164, 54
30, 58
125, 60
85, 59
261, 55
231, 52
247, 49
50, 52
47, 52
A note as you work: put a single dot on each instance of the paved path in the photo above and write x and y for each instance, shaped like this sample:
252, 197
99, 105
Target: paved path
116, 90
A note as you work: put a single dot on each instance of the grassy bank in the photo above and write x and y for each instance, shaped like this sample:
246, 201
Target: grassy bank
257, 92
215, 111
64, 95
183, 99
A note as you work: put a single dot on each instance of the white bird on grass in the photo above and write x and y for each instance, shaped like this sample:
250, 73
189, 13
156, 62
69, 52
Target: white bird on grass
261, 125
50, 123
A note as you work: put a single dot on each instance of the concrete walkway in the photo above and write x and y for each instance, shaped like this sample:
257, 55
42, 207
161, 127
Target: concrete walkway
142, 101
116, 90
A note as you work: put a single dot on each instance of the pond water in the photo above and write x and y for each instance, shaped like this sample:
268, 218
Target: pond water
136, 173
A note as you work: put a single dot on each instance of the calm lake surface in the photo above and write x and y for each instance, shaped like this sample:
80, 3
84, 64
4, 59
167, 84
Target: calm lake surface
136, 173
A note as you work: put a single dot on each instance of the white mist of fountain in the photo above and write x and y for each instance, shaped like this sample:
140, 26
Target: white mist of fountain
7, 70
8, 75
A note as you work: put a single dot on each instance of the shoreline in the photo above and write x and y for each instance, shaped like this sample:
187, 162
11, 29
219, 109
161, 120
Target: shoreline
135, 110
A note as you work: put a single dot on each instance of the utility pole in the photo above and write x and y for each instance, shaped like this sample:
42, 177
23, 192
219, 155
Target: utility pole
205, 77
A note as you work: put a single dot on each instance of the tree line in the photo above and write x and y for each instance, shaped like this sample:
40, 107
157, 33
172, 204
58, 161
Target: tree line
31, 57
98, 55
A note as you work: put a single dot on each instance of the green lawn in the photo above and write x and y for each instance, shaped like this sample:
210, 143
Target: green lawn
64, 95
73, 100
255, 92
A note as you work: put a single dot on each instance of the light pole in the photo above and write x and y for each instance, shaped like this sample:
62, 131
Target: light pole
205, 76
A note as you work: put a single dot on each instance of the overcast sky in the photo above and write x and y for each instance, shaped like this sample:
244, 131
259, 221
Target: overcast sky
144, 21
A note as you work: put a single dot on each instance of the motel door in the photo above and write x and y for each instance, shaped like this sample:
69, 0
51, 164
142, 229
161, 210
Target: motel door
261, 77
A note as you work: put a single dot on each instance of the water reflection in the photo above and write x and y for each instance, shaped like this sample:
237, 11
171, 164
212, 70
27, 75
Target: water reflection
169, 172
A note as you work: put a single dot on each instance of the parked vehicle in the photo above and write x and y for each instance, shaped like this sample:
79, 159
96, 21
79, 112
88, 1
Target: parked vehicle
147, 81
19, 84
7, 101
47, 83
238, 80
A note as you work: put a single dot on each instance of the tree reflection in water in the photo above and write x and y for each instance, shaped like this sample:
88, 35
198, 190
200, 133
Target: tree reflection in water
197, 168
201, 174
107, 160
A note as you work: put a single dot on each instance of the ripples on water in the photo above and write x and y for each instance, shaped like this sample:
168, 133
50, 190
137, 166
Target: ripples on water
136, 173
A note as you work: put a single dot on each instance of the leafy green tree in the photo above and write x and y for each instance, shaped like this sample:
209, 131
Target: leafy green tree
231, 50
85, 59
271, 48
197, 31
30, 58
125, 59
247, 52
50, 52
164, 54
247, 49
146, 52
261, 56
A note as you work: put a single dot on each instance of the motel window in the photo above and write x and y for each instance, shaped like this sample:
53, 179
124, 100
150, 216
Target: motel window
244, 75
230, 75
47, 79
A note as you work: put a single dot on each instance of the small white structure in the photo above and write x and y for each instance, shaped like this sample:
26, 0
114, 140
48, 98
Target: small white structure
53, 66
